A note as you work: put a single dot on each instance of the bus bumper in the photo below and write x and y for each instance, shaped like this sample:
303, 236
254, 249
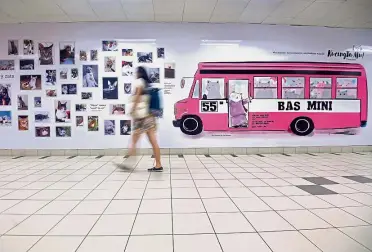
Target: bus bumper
176, 123
363, 124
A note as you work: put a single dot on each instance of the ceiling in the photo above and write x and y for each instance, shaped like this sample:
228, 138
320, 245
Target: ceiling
333, 13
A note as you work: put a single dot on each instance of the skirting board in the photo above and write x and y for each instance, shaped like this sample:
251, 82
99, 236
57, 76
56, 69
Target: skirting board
189, 151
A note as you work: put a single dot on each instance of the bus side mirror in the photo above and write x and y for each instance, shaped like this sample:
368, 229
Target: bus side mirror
183, 83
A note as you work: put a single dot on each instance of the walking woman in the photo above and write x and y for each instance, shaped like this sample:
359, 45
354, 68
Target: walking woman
143, 120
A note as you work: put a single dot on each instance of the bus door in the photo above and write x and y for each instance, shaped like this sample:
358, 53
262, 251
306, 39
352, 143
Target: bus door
239, 99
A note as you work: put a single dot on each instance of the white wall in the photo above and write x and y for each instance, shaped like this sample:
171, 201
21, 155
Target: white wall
182, 46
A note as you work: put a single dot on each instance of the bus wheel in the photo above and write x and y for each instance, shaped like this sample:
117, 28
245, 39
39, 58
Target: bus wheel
302, 126
191, 125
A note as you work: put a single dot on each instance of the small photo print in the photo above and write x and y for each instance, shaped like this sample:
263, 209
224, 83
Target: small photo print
125, 127
144, 57
51, 93
110, 64
74, 73
90, 75
86, 95
79, 121
127, 52
22, 102
69, 89
5, 95
109, 45
80, 107
5, 118
63, 73
92, 123
23, 123
63, 111
83, 56
12, 47
127, 68
50, 77
46, 53
37, 102
117, 109
30, 82
26, 64
7, 65
110, 88
42, 117
67, 53
28, 47
127, 88
109, 127
170, 70
93, 55
161, 53
154, 75
63, 131
42, 131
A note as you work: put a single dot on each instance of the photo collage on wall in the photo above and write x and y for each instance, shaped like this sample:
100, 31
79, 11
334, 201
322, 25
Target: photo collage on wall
58, 81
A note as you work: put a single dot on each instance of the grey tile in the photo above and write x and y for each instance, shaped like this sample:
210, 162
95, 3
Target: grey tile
316, 190
359, 179
320, 181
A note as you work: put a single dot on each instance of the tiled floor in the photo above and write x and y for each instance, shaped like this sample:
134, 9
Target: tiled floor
260, 203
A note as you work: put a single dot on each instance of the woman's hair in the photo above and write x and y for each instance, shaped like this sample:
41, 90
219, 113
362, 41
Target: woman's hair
142, 73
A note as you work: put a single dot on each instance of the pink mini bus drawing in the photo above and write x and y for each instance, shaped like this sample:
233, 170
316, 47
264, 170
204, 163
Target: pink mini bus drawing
299, 97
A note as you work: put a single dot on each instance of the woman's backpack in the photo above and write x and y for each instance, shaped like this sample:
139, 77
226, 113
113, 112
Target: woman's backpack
155, 100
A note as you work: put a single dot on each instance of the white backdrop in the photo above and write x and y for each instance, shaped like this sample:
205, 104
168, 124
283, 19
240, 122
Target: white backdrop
183, 46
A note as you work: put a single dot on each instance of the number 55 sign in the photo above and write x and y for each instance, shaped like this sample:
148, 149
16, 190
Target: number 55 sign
217, 107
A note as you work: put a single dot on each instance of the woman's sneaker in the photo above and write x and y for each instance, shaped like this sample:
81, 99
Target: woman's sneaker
153, 169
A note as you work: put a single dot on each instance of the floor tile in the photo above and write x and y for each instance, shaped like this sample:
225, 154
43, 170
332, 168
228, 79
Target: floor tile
230, 223
338, 218
185, 193
206, 193
267, 221
157, 193
253, 182
58, 207
281, 203
230, 183
320, 181
157, 243
359, 179
363, 212
155, 206
221, 205
316, 190
310, 202
152, 224
206, 183
91, 207
182, 183
7, 222
251, 204
36, 225
57, 244
26, 207
188, 206
74, 225
290, 190
47, 195
130, 193
363, 198
74, 195
265, 191
360, 234
303, 219
339, 200
195, 223
123, 207
242, 243
279, 242
196, 243
5, 204
113, 225
103, 243
241, 192
19, 195
340, 189
17, 243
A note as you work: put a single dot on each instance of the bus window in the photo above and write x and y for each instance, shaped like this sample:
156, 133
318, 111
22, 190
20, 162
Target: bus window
195, 94
320, 88
265, 87
293, 87
347, 88
213, 88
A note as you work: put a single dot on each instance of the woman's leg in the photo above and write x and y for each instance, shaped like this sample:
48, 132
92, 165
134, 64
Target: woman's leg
151, 134
133, 147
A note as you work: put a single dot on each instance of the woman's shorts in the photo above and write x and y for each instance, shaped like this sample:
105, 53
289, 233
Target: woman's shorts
144, 124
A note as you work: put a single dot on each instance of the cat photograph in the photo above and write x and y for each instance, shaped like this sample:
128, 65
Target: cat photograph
117, 109
83, 56
80, 107
154, 75
7, 65
22, 122
69, 89
50, 77
12, 47
127, 88
64, 131
42, 117
26, 64
93, 55
110, 88
93, 123
62, 111
109, 45
79, 121
22, 102
5, 95
67, 53
110, 64
169, 70
63, 73
109, 127
51, 93
28, 47
160, 52
37, 102
5, 118
127, 52
74, 74
127, 68
46, 55
144, 57
30, 82
125, 127
86, 95
42, 131
90, 75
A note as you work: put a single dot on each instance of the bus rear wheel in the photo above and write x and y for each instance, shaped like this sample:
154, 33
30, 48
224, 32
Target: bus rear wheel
191, 125
302, 126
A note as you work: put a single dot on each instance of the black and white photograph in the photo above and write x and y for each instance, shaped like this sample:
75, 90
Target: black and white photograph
93, 55
46, 53
109, 45
79, 121
5, 94
74, 73
42, 117
63, 74
80, 107
83, 56
13, 47
28, 47
127, 88
161, 52
86, 95
144, 57
51, 92
154, 75
69, 89
93, 123
22, 102
37, 102
117, 109
110, 64
7, 65
127, 68
63, 131
26, 64
30, 82
42, 131
50, 77
90, 75
127, 52
125, 127
170, 70
67, 53
110, 88
109, 127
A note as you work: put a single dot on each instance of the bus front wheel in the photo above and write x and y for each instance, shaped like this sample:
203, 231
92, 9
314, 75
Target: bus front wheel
302, 126
191, 125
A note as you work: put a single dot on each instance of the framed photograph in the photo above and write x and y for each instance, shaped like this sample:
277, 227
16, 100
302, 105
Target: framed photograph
110, 64
125, 127
26, 64
42, 131
51, 92
5, 95
22, 102
37, 102
63, 131
93, 55
7, 65
50, 77
109, 127
5, 118
13, 47
144, 57
117, 109
160, 52
69, 89
127, 52
90, 75
79, 121
74, 73
28, 47
63, 74
127, 88
109, 45
93, 123
86, 95
46, 53
80, 107
83, 56
67, 53
110, 88
170, 70
30, 82
154, 75
42, 117
62, 111
23, 123
127, 68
